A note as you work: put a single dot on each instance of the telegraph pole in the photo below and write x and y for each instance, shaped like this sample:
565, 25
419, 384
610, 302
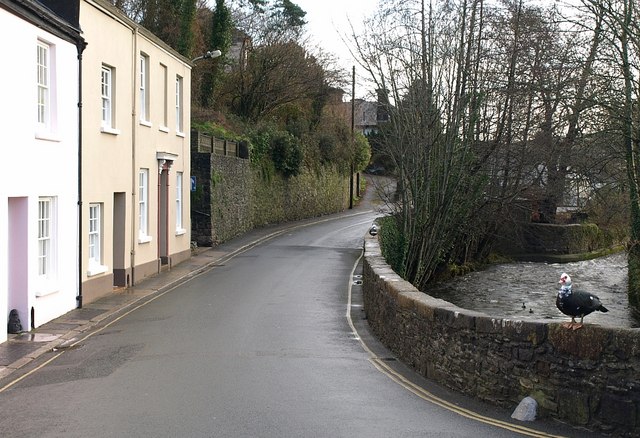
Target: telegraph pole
353, 125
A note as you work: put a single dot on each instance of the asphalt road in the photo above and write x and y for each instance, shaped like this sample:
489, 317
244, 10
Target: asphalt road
262, 346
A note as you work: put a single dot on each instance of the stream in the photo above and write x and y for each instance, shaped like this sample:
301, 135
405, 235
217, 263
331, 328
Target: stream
527, 290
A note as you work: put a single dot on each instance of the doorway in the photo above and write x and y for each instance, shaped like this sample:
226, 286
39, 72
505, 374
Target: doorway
18, 246
119, 240
163, 217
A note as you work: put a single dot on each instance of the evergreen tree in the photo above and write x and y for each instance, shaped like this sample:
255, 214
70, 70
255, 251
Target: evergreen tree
187, 21
221, 28
170, 20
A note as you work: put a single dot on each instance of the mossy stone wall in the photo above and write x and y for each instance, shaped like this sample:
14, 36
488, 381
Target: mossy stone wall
588, 377
555, 242
234, 196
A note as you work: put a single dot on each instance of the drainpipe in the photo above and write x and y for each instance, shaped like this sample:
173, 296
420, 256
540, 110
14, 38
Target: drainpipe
167, 216
134, 175
165, 213
160, 170
81, 45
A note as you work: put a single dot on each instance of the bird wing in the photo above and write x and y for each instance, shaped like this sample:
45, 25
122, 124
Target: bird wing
585, 300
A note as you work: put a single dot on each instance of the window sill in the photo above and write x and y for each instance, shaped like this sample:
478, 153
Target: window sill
111, 131
180, 134
144, 239
48, 136
96, 270
180, 231
163, 129
47, 291
146, 123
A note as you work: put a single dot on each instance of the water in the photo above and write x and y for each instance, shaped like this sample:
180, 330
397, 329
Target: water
527, 290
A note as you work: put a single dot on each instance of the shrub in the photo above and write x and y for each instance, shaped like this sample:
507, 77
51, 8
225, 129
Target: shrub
286, 153
392, 243
327, 147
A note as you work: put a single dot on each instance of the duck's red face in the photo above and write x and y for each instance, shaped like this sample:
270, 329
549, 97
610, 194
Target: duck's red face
564, 279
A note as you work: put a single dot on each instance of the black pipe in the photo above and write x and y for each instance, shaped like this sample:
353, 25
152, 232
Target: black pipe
81, 45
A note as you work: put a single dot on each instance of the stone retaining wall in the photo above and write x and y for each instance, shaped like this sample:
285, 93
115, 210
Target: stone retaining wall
555, 242
232, 196
589, 377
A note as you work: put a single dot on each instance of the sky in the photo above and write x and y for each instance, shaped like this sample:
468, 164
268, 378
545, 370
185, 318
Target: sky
328, 19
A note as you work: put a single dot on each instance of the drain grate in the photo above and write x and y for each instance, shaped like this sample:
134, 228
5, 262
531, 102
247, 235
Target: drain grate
65, 347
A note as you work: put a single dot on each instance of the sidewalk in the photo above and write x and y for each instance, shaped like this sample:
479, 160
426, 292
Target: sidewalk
20, 349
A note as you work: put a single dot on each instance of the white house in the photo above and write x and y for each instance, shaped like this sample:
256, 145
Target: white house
39, 181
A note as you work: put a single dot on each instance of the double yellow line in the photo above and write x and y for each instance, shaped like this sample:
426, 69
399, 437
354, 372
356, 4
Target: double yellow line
388, 371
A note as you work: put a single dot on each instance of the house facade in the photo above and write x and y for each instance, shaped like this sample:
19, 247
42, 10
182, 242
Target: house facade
369, 116
39, 184
135, 154
365, 116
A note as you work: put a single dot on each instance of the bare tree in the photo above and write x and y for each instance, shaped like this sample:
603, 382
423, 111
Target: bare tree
426, 58
487, 103
621, 22
275, 75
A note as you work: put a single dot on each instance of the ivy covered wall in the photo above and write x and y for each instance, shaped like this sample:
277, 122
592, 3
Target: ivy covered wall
233, 196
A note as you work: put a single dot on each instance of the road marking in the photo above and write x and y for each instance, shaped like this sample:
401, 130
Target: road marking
377, 362
42, 365
356, 224
385, 369
179, 282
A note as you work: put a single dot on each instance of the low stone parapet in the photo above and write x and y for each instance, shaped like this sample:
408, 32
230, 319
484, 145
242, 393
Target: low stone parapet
588, 377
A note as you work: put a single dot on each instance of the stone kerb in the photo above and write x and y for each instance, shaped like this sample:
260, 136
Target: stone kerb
589, 377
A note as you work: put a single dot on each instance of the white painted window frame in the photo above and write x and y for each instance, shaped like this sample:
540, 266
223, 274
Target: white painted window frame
43, 83
179, 105
106, 82
145, 117
95, 240
179, 204
165, 98
46, 105
44, 236
47, 246
108, 88
143, 206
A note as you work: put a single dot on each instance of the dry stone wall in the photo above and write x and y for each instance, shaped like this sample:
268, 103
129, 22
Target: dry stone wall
588, 377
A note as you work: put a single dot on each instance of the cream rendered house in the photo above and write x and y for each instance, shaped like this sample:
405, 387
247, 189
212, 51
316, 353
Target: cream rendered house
39, 183
135, 155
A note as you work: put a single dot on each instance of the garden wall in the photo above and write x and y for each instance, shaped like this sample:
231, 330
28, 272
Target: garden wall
588, 377
232, 196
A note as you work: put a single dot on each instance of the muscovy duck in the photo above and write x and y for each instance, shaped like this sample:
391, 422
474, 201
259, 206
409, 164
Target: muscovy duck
576, 302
